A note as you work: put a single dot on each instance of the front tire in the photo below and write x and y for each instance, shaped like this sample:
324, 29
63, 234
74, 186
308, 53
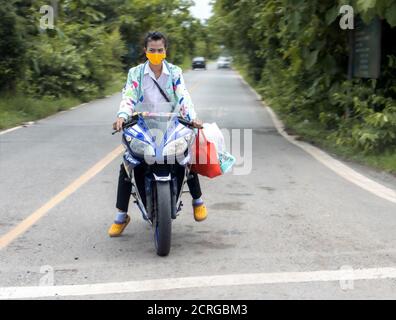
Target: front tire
162, 223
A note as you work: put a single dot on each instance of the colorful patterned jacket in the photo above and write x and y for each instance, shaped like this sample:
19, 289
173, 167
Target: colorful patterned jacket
175, 89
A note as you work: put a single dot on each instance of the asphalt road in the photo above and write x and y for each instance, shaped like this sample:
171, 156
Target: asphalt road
289, 217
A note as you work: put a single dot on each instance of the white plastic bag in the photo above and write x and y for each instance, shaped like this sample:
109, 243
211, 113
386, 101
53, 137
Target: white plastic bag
214, 135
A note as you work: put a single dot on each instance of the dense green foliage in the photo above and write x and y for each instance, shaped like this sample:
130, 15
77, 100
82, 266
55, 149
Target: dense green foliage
93, 43
12, 46
296, 54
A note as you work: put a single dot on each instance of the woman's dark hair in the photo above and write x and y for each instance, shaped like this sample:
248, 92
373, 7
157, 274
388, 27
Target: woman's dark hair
154, 36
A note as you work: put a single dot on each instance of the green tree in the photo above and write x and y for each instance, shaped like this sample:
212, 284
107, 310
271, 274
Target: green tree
12, 46
297, 55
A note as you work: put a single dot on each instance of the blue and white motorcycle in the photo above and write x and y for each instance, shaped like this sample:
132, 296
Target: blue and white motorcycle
157, 160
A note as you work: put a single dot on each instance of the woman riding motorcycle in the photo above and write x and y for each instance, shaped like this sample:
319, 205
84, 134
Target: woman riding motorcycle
154, 81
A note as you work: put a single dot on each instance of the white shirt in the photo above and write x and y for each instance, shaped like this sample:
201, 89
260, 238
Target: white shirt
151, 92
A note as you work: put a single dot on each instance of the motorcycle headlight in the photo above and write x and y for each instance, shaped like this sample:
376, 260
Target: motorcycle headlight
141, 148
177, 146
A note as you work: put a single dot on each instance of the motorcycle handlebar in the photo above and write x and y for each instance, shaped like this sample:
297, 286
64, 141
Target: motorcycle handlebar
133, 120
186, 122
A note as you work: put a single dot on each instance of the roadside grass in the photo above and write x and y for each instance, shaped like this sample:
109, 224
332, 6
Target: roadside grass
314, 133
17, 109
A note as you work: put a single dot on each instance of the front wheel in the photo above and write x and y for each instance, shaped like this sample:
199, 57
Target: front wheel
162, 223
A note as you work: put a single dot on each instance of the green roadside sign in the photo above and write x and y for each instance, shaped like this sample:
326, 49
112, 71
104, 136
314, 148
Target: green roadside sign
366, 50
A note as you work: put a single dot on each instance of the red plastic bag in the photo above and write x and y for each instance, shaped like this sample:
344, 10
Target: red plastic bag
205, 158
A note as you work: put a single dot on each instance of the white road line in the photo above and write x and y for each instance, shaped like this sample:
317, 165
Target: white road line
79, 106
48, 117
197, 282
9, 130
258, 97
336, 166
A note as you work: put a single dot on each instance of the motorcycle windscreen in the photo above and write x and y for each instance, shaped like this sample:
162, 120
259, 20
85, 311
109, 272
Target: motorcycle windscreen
157, 118
162, 107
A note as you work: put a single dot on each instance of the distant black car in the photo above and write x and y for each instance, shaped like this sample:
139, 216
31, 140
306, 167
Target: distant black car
199, 63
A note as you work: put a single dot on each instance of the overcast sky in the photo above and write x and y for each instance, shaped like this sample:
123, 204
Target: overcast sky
202, 9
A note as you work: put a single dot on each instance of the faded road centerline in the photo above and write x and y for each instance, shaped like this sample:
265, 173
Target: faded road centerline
39, 213
33, 218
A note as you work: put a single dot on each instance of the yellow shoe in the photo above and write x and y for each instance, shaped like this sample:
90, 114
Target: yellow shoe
200, 212
116, 229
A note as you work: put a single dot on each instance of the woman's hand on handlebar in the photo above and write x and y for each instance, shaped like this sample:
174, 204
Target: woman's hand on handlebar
118, 124
197, 123
192, 124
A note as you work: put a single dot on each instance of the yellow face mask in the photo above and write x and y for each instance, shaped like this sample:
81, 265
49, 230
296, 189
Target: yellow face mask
156, 58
